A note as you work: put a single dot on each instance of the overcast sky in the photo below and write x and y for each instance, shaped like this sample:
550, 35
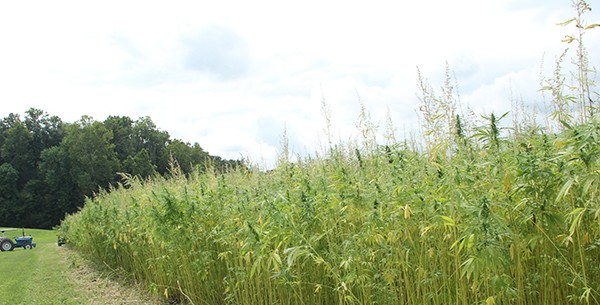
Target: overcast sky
232, 75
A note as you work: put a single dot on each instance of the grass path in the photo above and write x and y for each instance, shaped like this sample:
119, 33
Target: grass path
52, 275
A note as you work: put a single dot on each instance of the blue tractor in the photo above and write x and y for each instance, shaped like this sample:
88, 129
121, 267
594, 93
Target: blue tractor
7, 244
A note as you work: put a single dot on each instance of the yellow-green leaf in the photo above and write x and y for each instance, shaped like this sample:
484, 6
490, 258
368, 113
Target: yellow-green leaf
567, 22
448, 221
277, 258
591, 26
564, 190
568, 39
578, 212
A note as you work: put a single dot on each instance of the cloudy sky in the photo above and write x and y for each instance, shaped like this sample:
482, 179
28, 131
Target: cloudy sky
233, 75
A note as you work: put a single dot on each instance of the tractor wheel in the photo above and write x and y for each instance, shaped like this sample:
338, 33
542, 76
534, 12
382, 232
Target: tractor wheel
27, 247
7, 245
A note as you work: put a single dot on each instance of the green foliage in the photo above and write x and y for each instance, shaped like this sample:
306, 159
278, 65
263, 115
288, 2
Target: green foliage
186, 155
16, 151
22, 143
145, 135
49, 167
122, 131
91, 153
8, 191
518, 224
140, 165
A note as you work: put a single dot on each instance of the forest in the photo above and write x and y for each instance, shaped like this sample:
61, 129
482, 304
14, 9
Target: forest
48, 167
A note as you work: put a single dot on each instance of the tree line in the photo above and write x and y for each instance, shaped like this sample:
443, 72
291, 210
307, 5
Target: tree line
48, 167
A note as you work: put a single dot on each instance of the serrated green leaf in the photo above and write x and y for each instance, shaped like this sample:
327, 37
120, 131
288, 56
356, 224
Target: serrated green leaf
591, 26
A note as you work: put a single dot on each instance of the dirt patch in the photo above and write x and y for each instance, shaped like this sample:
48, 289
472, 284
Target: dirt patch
102, 286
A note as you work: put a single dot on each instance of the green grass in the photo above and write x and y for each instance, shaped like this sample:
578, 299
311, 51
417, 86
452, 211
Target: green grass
38, 276
52, 275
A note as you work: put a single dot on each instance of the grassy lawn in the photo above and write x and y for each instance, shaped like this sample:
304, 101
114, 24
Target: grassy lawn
37, 276
52, 275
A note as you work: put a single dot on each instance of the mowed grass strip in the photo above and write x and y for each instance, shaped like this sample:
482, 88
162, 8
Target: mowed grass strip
51, 275
36, 276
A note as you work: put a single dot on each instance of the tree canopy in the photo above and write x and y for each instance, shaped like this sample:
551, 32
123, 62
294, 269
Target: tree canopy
48, 167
